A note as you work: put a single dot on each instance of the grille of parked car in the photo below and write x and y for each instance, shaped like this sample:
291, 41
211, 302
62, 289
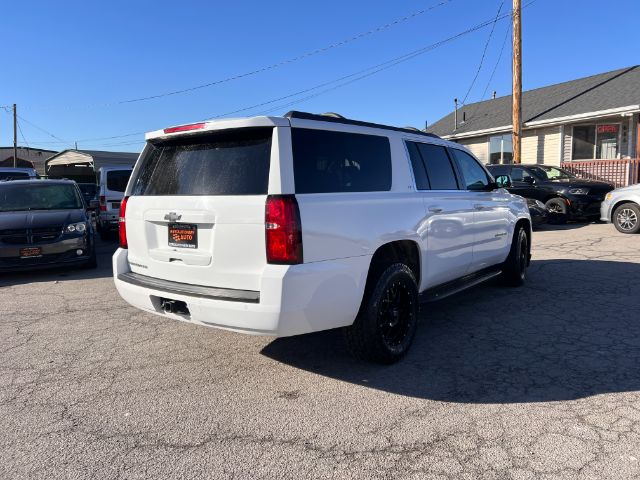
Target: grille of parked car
20, 236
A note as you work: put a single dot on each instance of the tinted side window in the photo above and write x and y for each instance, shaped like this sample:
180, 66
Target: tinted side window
439, 168
117, 180
325, 161
519, 174
497, 170
419, 172
227, 162
475, 178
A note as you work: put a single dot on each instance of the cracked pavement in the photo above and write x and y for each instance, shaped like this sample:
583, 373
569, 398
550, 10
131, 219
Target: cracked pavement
539, 382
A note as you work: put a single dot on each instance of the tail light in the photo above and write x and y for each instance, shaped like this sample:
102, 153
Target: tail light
103, 203
283, 231
122, 224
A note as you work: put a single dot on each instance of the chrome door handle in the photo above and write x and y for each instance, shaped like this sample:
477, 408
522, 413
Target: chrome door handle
435, 209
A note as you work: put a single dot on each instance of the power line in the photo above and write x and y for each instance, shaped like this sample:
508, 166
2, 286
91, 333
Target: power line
353, 77
367, 72
22, 135
495, 67
484, 53
280, 63
43, 130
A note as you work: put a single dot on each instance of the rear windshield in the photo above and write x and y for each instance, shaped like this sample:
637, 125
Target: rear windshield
228, 162
38, 196
326, 161
13, 175
117, 180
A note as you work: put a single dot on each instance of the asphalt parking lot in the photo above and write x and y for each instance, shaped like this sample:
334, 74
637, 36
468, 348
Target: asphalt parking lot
532, 383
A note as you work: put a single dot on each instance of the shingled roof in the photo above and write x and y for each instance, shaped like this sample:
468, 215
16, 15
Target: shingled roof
617, 89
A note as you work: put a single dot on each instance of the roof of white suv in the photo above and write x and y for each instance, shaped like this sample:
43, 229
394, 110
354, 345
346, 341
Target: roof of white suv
263, 121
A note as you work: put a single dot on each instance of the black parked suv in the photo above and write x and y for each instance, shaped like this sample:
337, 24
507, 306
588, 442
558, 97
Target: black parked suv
565, 195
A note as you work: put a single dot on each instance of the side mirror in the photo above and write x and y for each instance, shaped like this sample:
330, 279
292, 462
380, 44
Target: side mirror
503, 181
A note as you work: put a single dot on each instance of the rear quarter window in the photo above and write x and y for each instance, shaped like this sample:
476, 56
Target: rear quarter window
117, 180
327, 161
227, 162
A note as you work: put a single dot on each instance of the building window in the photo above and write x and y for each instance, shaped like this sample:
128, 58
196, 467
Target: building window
500, 149
595, 141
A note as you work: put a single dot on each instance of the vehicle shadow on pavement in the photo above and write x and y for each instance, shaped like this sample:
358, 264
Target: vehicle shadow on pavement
104, 252
572, 332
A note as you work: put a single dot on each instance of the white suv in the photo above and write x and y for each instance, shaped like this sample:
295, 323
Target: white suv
283, 226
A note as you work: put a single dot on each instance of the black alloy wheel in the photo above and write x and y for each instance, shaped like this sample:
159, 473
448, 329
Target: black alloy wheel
514, 272
386, 324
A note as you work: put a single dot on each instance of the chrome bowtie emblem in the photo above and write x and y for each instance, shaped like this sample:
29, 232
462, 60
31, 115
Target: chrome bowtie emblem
172, 217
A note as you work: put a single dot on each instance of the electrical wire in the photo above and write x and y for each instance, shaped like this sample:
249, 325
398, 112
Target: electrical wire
353, 77
495, 67
277, 64
43, 130
22, 135
484, 53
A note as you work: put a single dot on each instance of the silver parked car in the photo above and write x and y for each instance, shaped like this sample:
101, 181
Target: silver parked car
622, 208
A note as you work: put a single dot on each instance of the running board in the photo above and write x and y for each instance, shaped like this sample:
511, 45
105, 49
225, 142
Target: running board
451, 288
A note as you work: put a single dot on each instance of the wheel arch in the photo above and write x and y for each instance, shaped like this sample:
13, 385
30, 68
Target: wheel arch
397, 251
619, 203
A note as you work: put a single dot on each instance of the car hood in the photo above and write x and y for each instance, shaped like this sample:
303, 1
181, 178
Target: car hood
40, 218
629, 189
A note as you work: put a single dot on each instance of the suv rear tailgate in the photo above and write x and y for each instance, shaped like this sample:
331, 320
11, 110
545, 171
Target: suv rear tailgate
196, 208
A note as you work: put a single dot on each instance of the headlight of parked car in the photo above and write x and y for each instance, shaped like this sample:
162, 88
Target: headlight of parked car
579, 191
608, 196
76, 227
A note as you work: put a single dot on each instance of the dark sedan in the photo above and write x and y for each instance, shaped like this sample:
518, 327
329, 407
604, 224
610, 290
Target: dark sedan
44, 224
565, 195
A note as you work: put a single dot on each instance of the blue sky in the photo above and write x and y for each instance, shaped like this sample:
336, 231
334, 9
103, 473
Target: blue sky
67, 64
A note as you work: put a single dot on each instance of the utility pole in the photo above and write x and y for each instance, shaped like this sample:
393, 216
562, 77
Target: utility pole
517, 82
15, 136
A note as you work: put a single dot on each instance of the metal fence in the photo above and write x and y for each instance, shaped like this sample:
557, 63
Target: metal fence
619, 172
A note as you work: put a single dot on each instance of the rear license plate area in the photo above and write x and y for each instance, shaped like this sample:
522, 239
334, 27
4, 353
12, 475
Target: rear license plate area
115, 205
30, 252
183, 235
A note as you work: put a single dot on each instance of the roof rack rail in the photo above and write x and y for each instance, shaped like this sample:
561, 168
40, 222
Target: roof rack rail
347, 121
332, 114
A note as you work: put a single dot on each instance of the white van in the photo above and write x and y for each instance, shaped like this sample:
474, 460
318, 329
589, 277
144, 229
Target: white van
112, 182
283, 226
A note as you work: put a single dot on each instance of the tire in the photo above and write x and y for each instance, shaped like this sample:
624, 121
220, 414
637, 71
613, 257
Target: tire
557, 210
386, 323
514, 272
626, 218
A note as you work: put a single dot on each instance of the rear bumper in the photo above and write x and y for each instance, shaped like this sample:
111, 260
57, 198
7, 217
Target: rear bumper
292, 299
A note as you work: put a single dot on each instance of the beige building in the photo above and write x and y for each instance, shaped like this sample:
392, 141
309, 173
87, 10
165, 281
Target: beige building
588, 119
